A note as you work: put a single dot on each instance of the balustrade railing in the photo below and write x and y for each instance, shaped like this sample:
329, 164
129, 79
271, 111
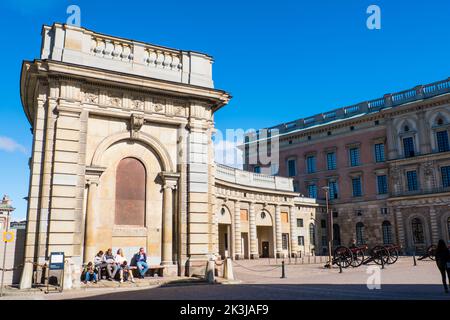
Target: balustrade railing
389, 100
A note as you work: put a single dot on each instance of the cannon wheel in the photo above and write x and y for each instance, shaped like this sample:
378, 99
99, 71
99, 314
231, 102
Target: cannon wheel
378, 253
393, 255
343, 256
431, 251
358, 258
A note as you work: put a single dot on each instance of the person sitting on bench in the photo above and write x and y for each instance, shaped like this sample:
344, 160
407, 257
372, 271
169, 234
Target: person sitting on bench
111, 265
141, 262
99, 264
124, 268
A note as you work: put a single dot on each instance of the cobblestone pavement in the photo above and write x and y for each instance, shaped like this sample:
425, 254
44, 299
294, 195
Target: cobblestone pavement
261, 280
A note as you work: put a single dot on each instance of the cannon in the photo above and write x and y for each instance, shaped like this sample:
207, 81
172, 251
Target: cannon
430, 253
393, 252
379, 255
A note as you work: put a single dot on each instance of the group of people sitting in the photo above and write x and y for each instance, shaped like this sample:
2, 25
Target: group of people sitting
116, 264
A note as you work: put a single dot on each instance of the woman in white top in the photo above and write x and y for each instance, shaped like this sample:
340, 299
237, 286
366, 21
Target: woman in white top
123, 265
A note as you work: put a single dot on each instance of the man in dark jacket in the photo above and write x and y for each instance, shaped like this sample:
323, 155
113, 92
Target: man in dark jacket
443, 261
141, 262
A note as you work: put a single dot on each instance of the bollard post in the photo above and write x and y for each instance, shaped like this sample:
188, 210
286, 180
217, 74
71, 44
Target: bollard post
295, 258
340, 264
283, 273
414, 258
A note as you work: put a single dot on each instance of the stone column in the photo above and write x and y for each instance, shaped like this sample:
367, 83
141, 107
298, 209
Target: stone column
91, 225
167, 221
237, 231
278, 231
434, 226
294, 240
253, 234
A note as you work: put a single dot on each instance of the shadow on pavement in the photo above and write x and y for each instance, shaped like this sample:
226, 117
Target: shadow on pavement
281, 292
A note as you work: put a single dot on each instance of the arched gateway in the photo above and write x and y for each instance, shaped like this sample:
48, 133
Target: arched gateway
123, 158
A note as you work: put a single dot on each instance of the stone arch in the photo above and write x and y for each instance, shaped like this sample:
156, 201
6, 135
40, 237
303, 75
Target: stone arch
129, 237
267, 221
225, 218
144, 138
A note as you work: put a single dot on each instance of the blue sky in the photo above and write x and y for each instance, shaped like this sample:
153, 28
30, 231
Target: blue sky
281, 60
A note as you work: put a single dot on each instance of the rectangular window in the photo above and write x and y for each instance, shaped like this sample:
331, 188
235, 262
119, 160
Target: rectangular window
300, 223
333, 189
301, 240
285, 240
411, 177
323, 224
382, 184
312, 191
442, 141
292, 168
354, 157
324, 241
311, 164
257, 169
356, 184
408, 147
379, 152
331, 160
445, 174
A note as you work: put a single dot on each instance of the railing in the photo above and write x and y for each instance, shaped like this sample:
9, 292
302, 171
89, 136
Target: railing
251, 179
389, 100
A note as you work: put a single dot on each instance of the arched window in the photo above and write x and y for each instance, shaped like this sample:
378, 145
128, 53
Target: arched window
360, 233
417, 231
312, 234
130, 193
387, 232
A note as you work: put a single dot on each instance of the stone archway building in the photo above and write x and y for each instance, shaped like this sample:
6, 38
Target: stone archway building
100, 106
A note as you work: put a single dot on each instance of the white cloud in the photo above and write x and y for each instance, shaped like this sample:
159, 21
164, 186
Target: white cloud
9, 145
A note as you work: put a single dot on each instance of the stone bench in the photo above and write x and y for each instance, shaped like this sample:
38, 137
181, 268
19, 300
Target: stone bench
152, 270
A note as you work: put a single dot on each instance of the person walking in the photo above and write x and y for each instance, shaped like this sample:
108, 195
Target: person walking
443, 262
141, 262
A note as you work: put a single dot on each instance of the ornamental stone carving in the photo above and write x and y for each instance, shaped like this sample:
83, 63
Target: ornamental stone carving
137, 121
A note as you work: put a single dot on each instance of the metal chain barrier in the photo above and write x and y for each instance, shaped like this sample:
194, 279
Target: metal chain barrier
22, 265
253, 270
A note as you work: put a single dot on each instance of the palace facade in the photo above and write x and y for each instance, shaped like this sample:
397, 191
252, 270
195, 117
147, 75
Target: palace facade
123, 158
386, 163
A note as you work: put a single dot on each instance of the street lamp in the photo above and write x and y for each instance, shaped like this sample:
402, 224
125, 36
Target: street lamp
330, 227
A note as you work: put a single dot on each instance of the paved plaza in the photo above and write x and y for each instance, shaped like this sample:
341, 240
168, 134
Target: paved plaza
260, 280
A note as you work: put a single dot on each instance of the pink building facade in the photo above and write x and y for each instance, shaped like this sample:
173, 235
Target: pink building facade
386, 163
